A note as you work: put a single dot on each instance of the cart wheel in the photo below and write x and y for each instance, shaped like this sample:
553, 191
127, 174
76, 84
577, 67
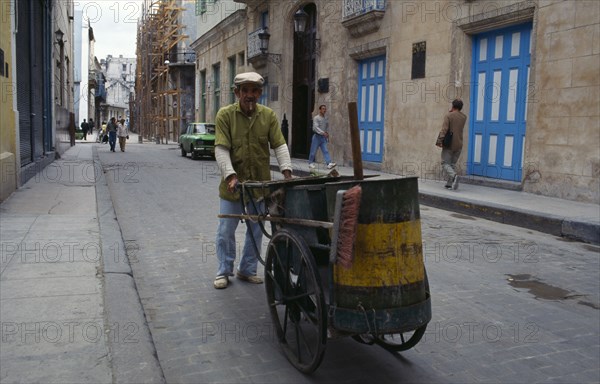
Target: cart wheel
397, 342
364, 339
296, 300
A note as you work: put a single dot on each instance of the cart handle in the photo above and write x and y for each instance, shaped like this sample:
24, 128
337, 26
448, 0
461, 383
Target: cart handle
283, 220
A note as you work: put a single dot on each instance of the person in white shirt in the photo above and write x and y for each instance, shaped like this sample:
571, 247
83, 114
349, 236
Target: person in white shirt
320, 139
122, 134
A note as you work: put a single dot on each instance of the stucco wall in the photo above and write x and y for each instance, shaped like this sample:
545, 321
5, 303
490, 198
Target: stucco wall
562, 142
215, 12
563, 133
562, 145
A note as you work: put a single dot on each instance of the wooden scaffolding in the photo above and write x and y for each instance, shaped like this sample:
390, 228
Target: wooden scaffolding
156, 96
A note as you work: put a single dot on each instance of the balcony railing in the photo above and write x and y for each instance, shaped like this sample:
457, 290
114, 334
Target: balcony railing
254, 43
362, 16
181, 57
353, 8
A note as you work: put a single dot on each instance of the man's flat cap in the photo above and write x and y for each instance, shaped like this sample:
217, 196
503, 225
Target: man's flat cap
249, 77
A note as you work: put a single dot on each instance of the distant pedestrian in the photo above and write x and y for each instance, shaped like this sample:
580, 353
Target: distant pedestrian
454, 123
320, 139
111, 127
91, 125
122, 133
85, 126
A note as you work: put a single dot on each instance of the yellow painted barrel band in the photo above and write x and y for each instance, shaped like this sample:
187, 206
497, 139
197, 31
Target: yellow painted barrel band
385, 254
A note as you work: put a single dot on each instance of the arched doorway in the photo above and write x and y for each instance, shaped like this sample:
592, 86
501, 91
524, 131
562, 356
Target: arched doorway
303, 95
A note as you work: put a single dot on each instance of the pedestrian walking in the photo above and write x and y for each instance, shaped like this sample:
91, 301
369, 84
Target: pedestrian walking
91, 125
453, 125
320, 139
84, 128
122, 133
111, 127
245, 131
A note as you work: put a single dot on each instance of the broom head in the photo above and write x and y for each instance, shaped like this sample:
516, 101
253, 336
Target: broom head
348, 226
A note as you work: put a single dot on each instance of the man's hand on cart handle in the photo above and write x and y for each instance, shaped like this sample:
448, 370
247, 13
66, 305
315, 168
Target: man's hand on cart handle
232, 182
287, 174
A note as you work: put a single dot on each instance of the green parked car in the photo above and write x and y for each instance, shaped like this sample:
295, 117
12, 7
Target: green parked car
198, 140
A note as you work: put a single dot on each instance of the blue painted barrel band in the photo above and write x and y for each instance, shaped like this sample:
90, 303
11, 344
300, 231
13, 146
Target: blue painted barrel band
381, 321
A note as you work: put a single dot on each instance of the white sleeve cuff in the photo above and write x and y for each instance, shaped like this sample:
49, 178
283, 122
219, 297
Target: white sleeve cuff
224, 161
283, 158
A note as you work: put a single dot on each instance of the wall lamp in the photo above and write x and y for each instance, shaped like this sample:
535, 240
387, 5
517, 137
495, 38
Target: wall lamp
300, 23
59, 37
263, 38
300, 19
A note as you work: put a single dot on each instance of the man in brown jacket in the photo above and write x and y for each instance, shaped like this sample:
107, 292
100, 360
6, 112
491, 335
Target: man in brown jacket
454, 122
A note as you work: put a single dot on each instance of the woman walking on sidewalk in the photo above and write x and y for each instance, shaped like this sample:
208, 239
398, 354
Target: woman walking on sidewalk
122, 134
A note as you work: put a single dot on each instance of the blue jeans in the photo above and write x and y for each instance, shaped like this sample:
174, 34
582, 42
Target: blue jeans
226, 245
112, 139
318, 141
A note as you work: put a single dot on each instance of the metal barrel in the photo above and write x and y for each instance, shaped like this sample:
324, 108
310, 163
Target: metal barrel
387, 270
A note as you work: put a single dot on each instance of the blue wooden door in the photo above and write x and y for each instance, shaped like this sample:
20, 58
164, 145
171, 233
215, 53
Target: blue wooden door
499, 102
371, 96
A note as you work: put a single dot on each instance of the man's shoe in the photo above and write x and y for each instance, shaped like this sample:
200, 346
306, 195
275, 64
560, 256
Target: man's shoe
447, 186
455, 182
331, 165
249, 279
221, 282
312, 166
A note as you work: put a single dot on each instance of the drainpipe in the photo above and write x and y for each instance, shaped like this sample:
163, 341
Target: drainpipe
31, 83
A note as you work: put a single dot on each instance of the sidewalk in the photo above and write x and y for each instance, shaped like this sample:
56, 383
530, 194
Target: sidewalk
559, 217
68, 304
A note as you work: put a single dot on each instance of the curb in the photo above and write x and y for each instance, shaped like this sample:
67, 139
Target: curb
133, 354
554, 225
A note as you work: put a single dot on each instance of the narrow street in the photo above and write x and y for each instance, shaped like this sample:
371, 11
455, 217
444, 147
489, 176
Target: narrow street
509, 305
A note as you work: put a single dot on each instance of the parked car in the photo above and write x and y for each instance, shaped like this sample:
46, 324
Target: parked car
198, 140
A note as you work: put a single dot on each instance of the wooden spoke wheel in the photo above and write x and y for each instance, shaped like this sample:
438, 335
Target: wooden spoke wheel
296, 300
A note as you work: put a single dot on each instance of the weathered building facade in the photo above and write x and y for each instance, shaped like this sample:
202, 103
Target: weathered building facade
119, 73
37, 87
220, 54
527, 71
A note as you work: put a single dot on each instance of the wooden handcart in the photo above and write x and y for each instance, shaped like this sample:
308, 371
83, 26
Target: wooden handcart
381, 298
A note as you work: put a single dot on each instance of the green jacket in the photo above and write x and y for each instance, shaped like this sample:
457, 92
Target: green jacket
248, 140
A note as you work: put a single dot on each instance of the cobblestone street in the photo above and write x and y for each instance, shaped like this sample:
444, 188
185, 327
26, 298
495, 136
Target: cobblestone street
509, 305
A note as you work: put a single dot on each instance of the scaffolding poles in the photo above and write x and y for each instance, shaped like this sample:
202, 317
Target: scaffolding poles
159, 32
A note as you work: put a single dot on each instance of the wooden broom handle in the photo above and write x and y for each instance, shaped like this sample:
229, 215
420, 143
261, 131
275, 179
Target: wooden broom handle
355, 141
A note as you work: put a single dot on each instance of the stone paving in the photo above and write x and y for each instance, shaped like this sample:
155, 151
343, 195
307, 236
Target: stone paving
483, 329
509, 304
